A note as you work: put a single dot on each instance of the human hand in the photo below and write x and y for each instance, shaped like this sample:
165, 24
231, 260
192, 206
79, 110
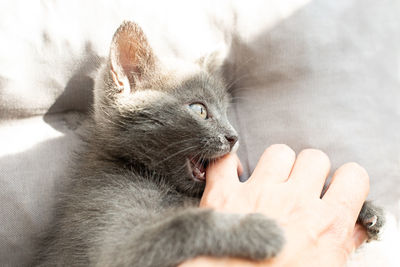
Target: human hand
318, 231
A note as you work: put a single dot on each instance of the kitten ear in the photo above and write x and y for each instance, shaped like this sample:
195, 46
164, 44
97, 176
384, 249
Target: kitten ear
214, 61
131, 56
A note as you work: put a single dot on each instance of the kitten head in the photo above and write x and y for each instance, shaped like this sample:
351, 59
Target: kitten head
158, 120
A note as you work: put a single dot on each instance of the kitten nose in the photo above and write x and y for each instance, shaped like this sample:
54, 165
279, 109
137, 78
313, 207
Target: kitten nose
232, 139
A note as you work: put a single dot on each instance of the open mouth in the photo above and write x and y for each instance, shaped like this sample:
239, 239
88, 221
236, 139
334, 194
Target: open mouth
198, 168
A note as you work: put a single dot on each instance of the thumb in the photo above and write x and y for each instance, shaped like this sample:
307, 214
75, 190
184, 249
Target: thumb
224, 171
221, 178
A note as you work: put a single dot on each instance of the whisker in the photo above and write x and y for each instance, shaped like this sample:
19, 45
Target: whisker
175, 154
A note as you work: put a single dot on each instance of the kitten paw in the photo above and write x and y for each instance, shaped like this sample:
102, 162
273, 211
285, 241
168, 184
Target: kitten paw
372, 218
261, 237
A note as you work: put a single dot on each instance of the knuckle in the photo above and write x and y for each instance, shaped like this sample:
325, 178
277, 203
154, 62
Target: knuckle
317, 155
339, 222
357, 172
354, 166
281, 148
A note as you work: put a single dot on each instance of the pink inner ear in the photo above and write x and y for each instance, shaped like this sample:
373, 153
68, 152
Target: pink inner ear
127, 54
127, 49
130, 55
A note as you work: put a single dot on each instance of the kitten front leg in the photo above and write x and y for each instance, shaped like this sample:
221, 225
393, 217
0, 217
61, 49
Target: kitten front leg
195, 232
372, 218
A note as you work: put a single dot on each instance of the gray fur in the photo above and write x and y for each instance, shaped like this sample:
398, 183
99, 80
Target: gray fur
372, 218
132, 200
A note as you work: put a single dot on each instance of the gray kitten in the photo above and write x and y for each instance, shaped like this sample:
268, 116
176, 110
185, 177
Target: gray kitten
136, 185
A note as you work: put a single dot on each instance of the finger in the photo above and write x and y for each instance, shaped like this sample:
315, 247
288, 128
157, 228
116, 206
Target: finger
310, 171
359, 235
274, 165
224, 171
204, 261
348, 189
221, 178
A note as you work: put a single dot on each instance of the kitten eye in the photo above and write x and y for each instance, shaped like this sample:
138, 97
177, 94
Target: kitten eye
199, 109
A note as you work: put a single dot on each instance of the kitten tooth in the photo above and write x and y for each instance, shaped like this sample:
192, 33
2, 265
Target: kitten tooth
196, 171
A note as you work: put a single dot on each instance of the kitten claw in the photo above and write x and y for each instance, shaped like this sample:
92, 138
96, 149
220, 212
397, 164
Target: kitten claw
371, 221
372, 218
